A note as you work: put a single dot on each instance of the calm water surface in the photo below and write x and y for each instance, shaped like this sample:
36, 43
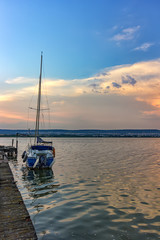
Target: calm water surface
100, 189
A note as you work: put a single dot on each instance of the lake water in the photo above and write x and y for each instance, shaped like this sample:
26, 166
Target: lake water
98, 189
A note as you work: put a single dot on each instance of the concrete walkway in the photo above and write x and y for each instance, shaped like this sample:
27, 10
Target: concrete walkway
15, 222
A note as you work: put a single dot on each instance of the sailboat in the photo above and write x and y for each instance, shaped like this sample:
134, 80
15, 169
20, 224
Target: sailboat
42, 153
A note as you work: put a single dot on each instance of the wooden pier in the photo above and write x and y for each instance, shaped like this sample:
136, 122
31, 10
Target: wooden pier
9, 152
15, 222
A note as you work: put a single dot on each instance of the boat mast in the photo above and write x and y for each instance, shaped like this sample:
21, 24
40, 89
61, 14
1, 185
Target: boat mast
38, 103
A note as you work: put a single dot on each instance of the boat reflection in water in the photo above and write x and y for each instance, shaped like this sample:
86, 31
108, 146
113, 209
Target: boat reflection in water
39, 183
40, 197
37, 175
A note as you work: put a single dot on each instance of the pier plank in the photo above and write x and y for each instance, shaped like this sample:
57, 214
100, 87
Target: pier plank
15, 222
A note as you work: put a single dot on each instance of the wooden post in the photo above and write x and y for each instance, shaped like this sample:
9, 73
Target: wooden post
16, 146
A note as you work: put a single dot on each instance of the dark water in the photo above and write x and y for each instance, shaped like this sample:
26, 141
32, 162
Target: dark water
105, 189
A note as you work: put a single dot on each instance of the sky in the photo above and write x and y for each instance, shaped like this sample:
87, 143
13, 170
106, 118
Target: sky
101, 63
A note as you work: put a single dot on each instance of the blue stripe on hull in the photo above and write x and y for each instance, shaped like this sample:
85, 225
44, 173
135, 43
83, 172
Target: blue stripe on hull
31, 161
49, 161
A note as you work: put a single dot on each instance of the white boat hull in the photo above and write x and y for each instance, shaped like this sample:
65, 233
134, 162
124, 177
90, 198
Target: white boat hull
39, 157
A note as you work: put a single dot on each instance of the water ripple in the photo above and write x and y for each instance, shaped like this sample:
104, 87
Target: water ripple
100, 189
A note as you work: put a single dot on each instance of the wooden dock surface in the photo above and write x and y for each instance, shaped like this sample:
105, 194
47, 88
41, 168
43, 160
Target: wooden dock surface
15, 222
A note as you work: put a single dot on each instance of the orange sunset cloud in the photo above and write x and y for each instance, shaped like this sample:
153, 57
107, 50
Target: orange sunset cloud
139, 82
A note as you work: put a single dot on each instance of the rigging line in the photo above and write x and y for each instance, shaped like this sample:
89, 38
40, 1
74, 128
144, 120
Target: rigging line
35, 89
28, 126
49, 118
43, 122
46, 96
46, 91
48, 113
29, 107
45, 86
42, 109
28, 118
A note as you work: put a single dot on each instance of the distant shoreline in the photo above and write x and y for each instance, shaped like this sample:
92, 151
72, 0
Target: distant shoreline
9, 136
84, 133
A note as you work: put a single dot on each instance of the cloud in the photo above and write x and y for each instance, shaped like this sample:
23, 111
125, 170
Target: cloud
12, 115
128, 80
135, 79
58, 102
126, 34
144, 47
139, 82
6, 97
102, 74
94, 85
20, 80
116, 85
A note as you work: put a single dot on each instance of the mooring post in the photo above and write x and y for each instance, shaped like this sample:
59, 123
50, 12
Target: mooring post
16, 146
